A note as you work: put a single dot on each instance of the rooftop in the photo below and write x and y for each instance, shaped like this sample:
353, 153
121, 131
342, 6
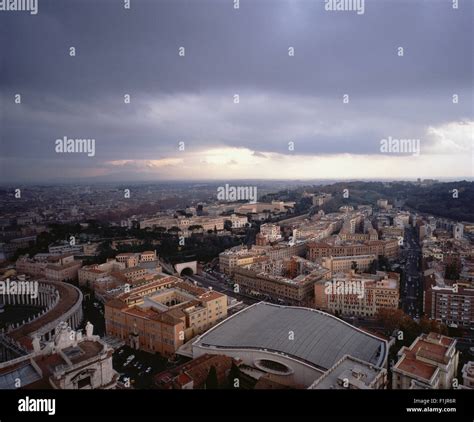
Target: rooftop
348, 373
320, 339
431, 347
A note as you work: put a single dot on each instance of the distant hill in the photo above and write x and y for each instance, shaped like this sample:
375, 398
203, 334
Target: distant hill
436, 199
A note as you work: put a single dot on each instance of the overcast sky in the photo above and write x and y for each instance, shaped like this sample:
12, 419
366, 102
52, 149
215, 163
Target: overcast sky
243, 51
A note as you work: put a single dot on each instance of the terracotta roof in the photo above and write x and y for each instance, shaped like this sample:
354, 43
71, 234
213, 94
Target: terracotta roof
95, 270
64, 266
210, 295
432, 347
416, 367
196, 370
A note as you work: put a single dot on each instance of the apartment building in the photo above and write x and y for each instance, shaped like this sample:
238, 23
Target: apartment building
288, 280
89, 274
235, 257
238, 221
65, 248
430, 362
133, 274
360, 237
65, 272
450, 304
129, 259
52, 267
468, 375
402, 220
358, 294
387, 248
31, 267
339, 264
271, 232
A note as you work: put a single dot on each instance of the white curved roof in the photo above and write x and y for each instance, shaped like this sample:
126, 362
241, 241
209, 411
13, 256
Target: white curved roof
320, 339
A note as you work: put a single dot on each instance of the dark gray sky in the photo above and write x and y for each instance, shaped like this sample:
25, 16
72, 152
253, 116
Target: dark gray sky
190, 99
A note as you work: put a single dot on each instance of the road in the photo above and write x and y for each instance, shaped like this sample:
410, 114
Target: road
412, 291
206, 280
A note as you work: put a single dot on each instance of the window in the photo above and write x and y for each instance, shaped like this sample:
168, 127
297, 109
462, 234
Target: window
84, 383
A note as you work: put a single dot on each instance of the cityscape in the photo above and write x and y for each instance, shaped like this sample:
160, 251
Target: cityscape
310, 287
274, 197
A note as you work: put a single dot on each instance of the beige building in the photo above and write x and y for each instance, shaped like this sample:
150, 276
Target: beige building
238, 221
387, 248
360, 237
88, 274
240, 256
132, 259
129, 259
289, 280
148, 256
358, 294
468, 375
339, 264
271, 232
235, 257
430, 362
162, 315
66, 268
133, 274
52, 267
128, 267
25, 265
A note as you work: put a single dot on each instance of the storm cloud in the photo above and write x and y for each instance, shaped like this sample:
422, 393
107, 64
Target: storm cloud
230, 52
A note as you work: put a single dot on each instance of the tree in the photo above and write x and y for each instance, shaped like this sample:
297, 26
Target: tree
452, 271
373, 266
384, 263
430, 325
396, 319
211, 380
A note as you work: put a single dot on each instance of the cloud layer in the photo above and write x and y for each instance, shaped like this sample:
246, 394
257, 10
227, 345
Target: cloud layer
183, 120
